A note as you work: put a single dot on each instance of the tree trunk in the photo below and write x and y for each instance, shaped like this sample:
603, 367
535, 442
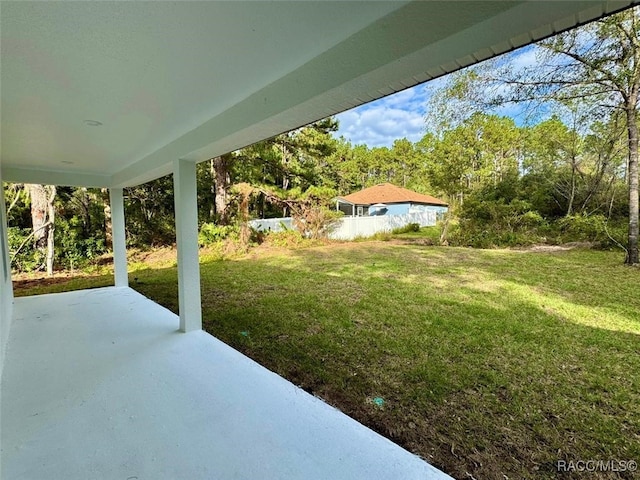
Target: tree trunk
108, 226
285, 165
572, 192
42, 218
39, 203
50, 230
245, 190
221, 168
212, 207
85, 200
632, 132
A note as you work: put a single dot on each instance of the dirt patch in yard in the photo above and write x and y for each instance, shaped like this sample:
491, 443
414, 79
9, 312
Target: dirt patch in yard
557, 248
156, 256
24, 282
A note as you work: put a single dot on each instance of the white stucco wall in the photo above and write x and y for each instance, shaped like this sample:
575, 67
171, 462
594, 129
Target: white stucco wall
6, 288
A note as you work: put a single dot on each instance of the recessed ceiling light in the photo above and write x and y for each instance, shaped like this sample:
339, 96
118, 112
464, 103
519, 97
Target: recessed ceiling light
92, 123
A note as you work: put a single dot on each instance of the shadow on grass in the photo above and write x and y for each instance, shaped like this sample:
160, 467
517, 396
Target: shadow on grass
595, 280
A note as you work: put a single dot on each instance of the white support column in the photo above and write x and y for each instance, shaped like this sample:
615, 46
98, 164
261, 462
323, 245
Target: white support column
6, 286
186, 206
118, 238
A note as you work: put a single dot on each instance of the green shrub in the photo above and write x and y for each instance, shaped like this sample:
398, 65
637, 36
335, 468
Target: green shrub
257, 236
497, 222
27, 258
531, 219
433, 233
591, 228
286, 239
211, 233
409, 228
382, 236
518, 232
617, 234
74, 249
522, 229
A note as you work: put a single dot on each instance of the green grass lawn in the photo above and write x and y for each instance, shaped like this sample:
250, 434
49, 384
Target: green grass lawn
488, 362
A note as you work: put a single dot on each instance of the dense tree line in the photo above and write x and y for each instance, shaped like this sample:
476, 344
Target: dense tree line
506, 185
569, 175
594, 73
61, 226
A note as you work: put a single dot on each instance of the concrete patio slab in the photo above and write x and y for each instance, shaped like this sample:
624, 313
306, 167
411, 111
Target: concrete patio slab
99, 384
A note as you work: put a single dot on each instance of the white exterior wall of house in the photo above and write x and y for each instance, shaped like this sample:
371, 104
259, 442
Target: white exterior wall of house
390, 209
6, 287
439, 209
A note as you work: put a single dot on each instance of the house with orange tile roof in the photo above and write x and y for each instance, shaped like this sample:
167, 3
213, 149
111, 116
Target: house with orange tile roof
388, 199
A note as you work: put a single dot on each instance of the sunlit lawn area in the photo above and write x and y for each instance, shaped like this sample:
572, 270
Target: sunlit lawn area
484, 362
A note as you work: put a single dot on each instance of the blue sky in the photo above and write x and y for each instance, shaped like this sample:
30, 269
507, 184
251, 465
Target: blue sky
379, 123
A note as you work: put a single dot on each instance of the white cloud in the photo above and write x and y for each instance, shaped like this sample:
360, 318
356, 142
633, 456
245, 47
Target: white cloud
381, 122
523, 58
380, 125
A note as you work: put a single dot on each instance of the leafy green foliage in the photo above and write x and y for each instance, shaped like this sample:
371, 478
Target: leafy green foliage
80, 227
149, 212
591, 228
76, 250
286, 239
309, 209
79, 234
24, 257
481, 151
410, 227
211, 233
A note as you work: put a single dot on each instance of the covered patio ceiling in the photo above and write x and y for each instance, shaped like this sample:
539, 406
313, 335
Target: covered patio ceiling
192, 80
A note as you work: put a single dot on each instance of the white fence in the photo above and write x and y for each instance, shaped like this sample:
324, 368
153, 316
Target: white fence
271, 224
353, 227
348, 228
